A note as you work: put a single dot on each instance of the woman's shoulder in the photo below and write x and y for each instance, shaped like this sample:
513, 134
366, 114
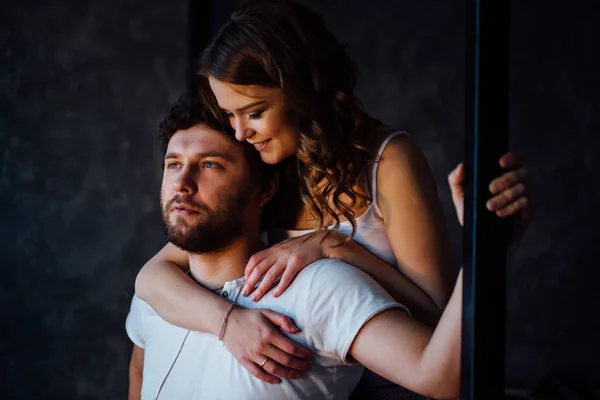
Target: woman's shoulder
381, 136
397, 155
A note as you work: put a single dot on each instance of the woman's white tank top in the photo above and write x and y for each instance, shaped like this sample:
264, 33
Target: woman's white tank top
370, 229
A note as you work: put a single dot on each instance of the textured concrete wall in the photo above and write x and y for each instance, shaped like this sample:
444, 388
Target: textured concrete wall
83, 85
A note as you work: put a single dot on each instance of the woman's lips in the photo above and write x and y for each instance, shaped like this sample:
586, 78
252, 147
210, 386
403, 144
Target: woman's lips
260, 146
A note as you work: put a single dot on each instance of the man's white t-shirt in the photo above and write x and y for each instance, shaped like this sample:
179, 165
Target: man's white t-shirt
329, 301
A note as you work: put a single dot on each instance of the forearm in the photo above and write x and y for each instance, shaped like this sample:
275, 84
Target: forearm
178, 299
441, 357
135, 385
408, 353
402, 289
136, 371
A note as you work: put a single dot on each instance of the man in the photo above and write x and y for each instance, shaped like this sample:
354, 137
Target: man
212, 195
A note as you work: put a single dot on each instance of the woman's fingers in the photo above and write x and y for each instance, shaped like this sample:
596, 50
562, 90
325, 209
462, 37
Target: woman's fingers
508, 180
286, 279
259, 372
520, 205
497, 203
296, 352
286, 360
257, 273
282, 321
282, 364
269, 279
509, 160
283, 342
455, 180
274, 368
255, 260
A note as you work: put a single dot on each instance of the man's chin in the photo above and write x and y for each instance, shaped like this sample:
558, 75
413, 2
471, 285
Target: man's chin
187, 222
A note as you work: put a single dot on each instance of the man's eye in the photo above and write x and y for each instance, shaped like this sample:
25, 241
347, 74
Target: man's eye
229, 115
172, 165
211, 164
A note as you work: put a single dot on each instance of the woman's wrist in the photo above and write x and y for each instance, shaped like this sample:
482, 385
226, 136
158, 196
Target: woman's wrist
224, 322
211, 319
332, 244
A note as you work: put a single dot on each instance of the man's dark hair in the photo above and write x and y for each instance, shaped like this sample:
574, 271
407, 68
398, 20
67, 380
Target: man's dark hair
189, 112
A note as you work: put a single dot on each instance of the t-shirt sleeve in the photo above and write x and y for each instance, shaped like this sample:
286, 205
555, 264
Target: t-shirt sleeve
134, 324
341, 300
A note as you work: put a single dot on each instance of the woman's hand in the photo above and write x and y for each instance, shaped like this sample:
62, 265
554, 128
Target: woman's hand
508, 189
283, 260
256, 343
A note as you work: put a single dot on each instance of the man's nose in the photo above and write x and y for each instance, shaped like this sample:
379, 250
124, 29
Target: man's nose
186, 181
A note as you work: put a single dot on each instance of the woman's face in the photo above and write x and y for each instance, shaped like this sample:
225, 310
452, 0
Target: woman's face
259, 116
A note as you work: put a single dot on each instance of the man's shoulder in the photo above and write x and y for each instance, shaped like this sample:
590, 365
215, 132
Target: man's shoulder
332, 267
144, 312
316, 274
141, 308
328, 271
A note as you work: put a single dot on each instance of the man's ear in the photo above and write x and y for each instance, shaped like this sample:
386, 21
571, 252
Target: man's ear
268, 190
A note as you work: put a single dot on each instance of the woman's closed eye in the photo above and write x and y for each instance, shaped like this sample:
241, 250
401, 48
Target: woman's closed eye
256, 114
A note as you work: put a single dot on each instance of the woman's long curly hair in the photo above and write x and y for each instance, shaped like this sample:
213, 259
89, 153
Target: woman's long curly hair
277, 43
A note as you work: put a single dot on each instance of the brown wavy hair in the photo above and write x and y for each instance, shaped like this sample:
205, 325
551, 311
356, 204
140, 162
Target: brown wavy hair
277, 43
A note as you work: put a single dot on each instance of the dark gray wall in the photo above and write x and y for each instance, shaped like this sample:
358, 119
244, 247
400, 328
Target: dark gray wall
411, 56
555, 125
83, 85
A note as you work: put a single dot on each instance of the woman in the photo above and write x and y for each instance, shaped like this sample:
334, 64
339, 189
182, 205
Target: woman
351, 187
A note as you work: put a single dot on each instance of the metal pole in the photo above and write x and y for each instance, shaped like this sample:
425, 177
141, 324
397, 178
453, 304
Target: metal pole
484, 308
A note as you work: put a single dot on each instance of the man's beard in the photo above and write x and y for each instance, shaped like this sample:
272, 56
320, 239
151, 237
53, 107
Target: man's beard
213, 230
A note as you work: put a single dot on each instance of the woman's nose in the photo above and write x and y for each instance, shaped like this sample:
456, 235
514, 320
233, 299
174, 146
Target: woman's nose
242, 131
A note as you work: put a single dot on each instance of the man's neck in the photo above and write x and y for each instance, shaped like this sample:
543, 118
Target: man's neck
212, 270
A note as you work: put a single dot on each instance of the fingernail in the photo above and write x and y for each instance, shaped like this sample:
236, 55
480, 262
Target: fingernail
254, 298
275, 294
294, 327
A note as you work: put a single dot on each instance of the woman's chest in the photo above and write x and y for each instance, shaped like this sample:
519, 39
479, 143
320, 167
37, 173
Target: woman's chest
290, 210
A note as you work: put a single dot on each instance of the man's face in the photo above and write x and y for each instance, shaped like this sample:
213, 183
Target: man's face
206, 190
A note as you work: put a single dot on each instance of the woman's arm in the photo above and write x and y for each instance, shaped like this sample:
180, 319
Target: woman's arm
179, 300
409, 354
397, 285
250, 335
288, 258
415, 223
416, 228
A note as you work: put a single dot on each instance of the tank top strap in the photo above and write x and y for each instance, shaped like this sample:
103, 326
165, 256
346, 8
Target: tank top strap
384, 144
